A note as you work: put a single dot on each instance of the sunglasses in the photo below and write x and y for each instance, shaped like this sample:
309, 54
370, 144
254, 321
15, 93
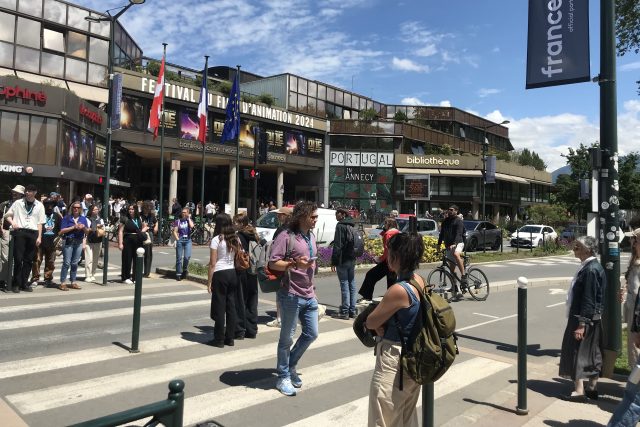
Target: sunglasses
76, 207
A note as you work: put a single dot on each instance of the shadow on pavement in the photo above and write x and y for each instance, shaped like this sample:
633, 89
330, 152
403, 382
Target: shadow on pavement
259, 378
492, 405
572, 423
532, 349
202, 337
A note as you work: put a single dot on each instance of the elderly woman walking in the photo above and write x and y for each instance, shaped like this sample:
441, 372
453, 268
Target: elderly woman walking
581, 355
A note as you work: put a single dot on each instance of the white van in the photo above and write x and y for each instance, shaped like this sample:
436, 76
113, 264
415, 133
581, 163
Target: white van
324, 230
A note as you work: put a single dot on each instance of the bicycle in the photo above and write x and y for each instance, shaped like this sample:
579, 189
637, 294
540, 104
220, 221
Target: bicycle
442, 279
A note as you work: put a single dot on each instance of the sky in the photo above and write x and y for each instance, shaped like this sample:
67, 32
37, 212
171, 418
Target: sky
467, 54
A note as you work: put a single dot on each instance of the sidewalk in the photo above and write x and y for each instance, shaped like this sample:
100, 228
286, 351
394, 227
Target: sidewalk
545, 407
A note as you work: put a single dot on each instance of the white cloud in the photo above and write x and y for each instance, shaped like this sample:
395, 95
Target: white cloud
445, 103
408, 65
412, 101
428, 50
484, 92
631, 66
495, 50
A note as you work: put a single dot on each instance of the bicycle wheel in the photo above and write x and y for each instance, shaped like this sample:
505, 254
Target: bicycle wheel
478, 284
440, 281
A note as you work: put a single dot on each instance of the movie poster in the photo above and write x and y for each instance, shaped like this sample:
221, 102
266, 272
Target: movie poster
86, 152
189, 125
70, 148
247, 139
295, 143
132, 114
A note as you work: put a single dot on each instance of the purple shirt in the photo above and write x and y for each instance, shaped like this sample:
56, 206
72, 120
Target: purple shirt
68, 221
183, 228
298, 281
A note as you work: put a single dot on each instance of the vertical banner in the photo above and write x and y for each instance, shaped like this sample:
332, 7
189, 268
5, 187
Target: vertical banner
558, 42
116, 99
490, 174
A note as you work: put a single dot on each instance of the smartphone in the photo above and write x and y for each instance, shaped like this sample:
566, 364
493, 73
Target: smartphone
313, 258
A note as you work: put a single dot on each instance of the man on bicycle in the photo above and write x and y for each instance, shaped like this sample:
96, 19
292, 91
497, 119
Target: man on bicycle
451, 233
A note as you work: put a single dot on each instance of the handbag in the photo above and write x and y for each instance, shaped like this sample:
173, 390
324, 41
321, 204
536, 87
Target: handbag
58, 243
100, 232
147, 240
366, 336
241, 260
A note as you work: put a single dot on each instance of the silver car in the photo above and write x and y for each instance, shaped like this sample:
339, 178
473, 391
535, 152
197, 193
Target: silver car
426, 227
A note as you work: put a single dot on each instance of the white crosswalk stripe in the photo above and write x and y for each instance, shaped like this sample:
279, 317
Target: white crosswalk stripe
53, 387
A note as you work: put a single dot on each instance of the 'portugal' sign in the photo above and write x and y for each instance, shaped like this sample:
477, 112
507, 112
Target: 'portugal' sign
558, 42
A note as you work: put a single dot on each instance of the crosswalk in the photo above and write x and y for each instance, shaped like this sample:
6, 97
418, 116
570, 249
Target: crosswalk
544, 261
86, 371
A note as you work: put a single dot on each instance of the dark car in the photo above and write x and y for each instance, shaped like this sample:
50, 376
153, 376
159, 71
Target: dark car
426, 227
572, 231
479, 234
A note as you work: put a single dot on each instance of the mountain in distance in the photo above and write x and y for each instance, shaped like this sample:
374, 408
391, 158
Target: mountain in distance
564, 170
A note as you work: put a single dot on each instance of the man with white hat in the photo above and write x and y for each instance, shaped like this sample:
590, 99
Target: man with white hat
26, 216
16, 193
88, 201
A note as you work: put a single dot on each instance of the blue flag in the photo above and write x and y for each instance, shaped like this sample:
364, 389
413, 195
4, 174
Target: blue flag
231, 128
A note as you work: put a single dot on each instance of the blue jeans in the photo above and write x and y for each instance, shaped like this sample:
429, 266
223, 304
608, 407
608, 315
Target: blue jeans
183, 254
347, 278
293, 307
627, 413
71, 252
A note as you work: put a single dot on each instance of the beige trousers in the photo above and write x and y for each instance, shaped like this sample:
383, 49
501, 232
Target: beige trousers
388, 406
91, 258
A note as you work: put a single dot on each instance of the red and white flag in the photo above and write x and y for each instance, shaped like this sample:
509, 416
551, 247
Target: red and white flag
156, 107
202, 108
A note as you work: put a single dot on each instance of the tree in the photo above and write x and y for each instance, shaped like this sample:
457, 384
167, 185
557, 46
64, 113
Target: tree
525, 157
629, 181
400, 116
568, 186
628, 27
368, 115
545, 214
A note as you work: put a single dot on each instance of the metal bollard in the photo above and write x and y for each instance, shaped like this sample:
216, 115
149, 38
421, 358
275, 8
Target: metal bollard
521, 409
9, 276
427, 405
137, 302
530, 241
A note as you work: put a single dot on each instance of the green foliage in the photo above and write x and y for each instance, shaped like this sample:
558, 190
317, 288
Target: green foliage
622, 362
547, 214
502, 155
568, 186
432, 252
223, 87
525, 157
368, 115
198, 269
629, 180
267, 98
248, 98
446, 150
628, 27
400, 116
153, 68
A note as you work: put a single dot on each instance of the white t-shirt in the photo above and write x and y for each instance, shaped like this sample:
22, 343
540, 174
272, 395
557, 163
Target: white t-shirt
27, 218
225, 259
210, 208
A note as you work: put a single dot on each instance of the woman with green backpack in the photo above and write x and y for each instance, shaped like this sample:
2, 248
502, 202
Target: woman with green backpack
392, 401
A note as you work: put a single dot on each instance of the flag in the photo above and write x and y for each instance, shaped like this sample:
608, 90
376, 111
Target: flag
156, 107
231, 128
202, 108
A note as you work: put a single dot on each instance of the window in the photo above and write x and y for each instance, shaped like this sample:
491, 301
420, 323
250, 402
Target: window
347, 100
322, 91
28, 33
42, 142
53, 40
293, 83
14, 134
76, 19
312, 89
6, 54
97, 75
27, 59
99, 51
31, 7
293, 100
76, 70
330, 94
7, 26
77, 45
8, 4
55, 11
302, 86
339, 97
52, 65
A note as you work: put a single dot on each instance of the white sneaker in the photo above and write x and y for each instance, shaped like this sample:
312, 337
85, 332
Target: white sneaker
275, 323
34, 284
129, 282
89, 279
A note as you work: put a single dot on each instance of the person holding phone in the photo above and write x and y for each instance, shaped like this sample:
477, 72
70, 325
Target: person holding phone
182, 233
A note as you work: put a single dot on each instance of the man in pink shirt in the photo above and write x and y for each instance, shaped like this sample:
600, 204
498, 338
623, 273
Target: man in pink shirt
295, 253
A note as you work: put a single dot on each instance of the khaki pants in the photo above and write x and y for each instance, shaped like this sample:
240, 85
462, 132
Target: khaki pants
91, 258
49, 256
4, 255
388, 406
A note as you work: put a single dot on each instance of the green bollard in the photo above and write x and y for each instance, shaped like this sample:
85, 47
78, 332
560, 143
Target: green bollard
137, 302
428, 410
521, 409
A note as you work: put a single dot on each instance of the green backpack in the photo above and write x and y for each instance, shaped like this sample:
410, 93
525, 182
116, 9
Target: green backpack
430, 349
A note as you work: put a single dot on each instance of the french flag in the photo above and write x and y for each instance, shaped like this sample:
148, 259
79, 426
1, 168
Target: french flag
202, 108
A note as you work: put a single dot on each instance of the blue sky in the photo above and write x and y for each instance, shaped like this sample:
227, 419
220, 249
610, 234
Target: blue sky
468, 54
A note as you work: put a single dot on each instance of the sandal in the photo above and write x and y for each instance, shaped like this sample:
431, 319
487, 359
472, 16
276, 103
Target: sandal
75, 286
63, 287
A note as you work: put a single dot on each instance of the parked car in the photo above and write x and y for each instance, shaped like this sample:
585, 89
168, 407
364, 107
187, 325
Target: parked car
325, 226
572, 231
479, 234
533, 235
426, 227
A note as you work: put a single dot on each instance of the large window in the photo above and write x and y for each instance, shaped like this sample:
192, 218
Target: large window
14, 136
28, 33
7, 26
42, 140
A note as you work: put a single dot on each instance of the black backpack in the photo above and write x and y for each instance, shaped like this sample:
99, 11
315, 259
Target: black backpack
355, 242
430, 349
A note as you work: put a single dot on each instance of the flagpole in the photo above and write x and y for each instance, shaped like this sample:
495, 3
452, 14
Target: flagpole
204, 143
161, 199
238, 144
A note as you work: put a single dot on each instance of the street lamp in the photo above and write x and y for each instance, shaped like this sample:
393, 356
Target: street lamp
485, 147
107, 16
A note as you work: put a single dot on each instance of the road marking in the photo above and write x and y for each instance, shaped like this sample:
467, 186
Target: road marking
555, 291
493, 265
163, 253
20, 308
72, 393
556, 304
457, 377
486, 315
523, 264
486, 323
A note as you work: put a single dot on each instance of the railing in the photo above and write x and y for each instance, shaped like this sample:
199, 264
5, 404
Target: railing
166, 412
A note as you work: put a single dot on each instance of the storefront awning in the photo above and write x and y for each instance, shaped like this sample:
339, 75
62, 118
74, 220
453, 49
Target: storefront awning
511, 178
460, 172
535, 181
411, 171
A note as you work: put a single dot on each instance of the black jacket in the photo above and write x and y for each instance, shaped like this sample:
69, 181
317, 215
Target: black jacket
246, 237
588, 292
451, 231
341, 244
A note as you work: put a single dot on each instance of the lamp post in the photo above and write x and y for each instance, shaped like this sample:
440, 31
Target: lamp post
107, 16
485, 148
